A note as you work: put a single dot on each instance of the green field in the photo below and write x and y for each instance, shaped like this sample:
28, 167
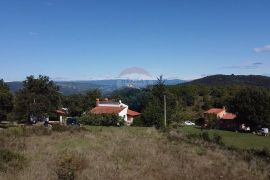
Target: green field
236, 140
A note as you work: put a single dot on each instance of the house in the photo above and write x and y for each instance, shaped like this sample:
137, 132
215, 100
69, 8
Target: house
61, 114
219, 112
112, 107
226, 120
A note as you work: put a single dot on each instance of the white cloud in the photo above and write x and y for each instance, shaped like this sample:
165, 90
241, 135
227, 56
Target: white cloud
265, 48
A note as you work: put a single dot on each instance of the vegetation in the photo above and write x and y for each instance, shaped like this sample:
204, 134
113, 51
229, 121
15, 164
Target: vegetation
189, 102
221, 80
6, 104
10, 161
68, 88
126, 153
240, 141
101, 120
252, 107
39, 97
77, 104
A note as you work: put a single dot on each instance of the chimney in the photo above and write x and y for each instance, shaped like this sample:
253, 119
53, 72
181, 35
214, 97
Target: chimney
97, 102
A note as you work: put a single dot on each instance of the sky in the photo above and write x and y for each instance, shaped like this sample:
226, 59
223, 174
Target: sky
101, 39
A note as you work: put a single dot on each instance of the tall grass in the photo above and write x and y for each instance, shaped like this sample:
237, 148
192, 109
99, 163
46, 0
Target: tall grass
127, 153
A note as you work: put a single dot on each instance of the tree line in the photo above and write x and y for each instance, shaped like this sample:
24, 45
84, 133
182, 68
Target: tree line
41, 97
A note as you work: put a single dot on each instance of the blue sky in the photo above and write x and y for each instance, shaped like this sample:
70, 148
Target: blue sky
95, 39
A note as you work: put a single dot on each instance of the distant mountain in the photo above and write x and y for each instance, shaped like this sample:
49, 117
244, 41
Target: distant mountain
106, 86
218, 80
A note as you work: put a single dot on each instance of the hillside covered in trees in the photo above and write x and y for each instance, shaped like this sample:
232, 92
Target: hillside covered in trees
105, 86
40, 96
217, 80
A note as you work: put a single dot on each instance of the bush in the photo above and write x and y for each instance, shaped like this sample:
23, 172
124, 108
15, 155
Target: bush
11, 117
138, 122
69, 165
24, 131
205, 136
101, 120
201, 151
61, 128
200, 122
175, 125
217, 139
10, 160
264, 153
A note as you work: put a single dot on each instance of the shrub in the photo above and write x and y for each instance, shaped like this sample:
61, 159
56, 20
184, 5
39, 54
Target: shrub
201, 151
138, 122
175, 125
10, 160
69, 165
217, 139
264, 153
61, 128
205, 136
39, 131
23, 131
101, 120
200, 122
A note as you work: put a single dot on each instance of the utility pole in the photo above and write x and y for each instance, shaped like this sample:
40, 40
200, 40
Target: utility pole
165, 112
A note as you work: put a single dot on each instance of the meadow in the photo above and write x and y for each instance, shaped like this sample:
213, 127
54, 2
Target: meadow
30, 153
242, 141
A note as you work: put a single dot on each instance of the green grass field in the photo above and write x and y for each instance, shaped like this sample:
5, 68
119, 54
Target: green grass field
236, 140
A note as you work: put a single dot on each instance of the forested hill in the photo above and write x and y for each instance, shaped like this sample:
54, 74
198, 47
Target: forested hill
105, 86
218, 80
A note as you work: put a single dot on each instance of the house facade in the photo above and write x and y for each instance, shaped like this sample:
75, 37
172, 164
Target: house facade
62, 115
112, 107
226, 120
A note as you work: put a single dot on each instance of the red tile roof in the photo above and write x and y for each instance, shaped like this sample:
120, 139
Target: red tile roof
229, 116
133, 113
60, 112
214, 111
107, 110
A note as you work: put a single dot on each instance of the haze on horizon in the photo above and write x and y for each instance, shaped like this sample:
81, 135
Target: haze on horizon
100, 39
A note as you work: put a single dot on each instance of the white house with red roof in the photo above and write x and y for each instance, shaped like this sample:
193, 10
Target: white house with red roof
112, 107
221, 113
226, 119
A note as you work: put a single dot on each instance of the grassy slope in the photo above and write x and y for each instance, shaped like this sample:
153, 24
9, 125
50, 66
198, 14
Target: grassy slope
237, 140
125, 153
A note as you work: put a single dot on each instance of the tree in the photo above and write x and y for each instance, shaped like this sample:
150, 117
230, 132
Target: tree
136, 99
74, 104
159, 88
89, 99
211, 120
77, 104
252, 107
6, 103
153, 114
38, 97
